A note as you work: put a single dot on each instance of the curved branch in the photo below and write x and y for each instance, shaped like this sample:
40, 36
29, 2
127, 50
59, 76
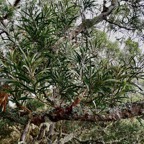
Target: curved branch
88, 23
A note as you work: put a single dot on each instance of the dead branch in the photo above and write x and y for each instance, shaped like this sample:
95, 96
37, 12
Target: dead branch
24, 134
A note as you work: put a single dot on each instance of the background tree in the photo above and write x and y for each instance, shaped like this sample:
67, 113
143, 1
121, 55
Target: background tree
58, 70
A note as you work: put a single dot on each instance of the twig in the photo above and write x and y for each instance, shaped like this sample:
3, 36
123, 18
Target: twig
117, 24
23, 136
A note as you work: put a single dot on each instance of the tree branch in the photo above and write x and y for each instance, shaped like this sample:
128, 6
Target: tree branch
117, 24
23, 136
87, 23
132, 110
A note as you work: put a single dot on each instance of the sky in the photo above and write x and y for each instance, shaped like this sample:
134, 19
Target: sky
11, 1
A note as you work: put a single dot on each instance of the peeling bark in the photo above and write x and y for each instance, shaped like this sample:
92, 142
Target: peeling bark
133, 110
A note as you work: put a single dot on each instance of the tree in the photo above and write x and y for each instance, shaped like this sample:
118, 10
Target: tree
72, 72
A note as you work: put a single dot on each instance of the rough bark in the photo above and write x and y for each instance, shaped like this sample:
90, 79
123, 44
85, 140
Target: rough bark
131, 110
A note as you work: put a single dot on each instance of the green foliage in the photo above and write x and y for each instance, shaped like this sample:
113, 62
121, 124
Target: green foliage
96, 65
90, 66
5, 9
125, 132
4, 126
132, 47
33, 104
127, 15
